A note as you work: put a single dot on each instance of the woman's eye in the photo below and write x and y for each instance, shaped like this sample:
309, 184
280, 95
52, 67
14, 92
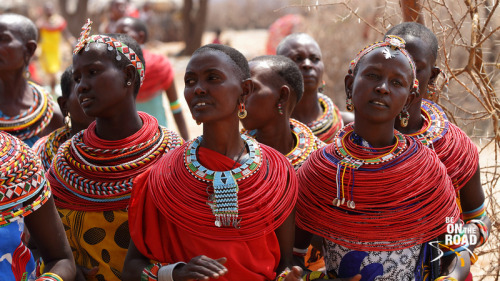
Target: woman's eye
213, 77
372, 75
397, 83
76, 79
188, 82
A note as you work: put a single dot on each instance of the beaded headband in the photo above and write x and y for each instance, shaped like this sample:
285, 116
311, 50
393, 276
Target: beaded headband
113, 44
392, 44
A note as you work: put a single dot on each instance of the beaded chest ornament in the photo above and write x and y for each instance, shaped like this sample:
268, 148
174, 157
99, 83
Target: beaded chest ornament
343, 146
224, 200
436, 124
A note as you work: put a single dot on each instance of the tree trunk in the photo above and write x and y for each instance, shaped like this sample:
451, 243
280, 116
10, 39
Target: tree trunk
412, 11
194, 22
77, 17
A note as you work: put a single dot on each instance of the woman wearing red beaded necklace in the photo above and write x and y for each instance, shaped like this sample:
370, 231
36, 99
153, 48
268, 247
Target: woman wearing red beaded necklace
224, 201
429, 124
381, 196
93, 172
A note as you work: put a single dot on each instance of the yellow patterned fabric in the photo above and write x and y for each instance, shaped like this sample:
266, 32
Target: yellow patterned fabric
98, 239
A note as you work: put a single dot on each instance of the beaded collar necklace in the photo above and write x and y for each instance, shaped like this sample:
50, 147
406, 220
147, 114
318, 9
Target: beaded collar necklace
75, 153
22, 180
345, 148
49, 150
305, 144
224, 200
435, 126
19, 125
327, 119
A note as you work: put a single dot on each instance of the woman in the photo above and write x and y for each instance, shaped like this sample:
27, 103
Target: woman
224, 200
92, 173
75, 121
26, 110
377, 196
159, 78
315, 109
429, 124
26, 200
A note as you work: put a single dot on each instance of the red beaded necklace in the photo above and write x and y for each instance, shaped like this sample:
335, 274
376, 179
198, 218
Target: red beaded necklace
265, 198
400, 201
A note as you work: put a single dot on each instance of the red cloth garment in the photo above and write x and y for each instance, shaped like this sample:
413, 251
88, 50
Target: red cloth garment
163, 232
159, 76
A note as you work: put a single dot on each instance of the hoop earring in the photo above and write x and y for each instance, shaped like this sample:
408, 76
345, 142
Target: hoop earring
404, 116
348, 105
280, 109
431, 91
242, 112
129, 83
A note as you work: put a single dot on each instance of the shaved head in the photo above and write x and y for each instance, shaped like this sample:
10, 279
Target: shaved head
20, 24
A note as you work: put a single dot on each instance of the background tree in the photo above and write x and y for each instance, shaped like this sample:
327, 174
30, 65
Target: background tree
194, 17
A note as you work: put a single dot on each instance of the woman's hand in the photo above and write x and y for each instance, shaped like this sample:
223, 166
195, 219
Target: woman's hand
200, 268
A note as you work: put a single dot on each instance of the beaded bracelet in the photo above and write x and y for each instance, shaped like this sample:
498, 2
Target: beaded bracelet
299, 252
283, 274
445, 278
175, 106
484, 232
315, 275
49, 276
150, 272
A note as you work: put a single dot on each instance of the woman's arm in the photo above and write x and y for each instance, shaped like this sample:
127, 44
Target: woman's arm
286, 237
179, 118
46, 229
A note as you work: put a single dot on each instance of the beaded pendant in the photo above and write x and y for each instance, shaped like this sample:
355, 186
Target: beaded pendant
348, 161
224, 200
436, 125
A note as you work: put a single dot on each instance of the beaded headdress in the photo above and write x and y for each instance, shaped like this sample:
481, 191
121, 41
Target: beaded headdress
113, 44
391, 44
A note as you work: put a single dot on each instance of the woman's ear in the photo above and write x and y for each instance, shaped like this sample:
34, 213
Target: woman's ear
247, 86
62, 105
412, 97
30, 50
434, 74
130, 75
348, 83
285, 94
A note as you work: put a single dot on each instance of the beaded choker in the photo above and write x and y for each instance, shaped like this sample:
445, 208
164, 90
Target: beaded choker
22, 179
329, 122
435, 126
306, 143
224, 200
40, 112
353, 156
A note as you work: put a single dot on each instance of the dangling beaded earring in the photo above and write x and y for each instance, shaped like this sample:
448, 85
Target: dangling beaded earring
280, 109
67, 124
27, 73
404, 116
348, 105
321, 88
242, 112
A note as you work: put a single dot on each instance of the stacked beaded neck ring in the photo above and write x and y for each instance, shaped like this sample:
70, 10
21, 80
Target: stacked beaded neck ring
329, 122
306, 144
224, 200
113, 44
435, 126
22, 125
